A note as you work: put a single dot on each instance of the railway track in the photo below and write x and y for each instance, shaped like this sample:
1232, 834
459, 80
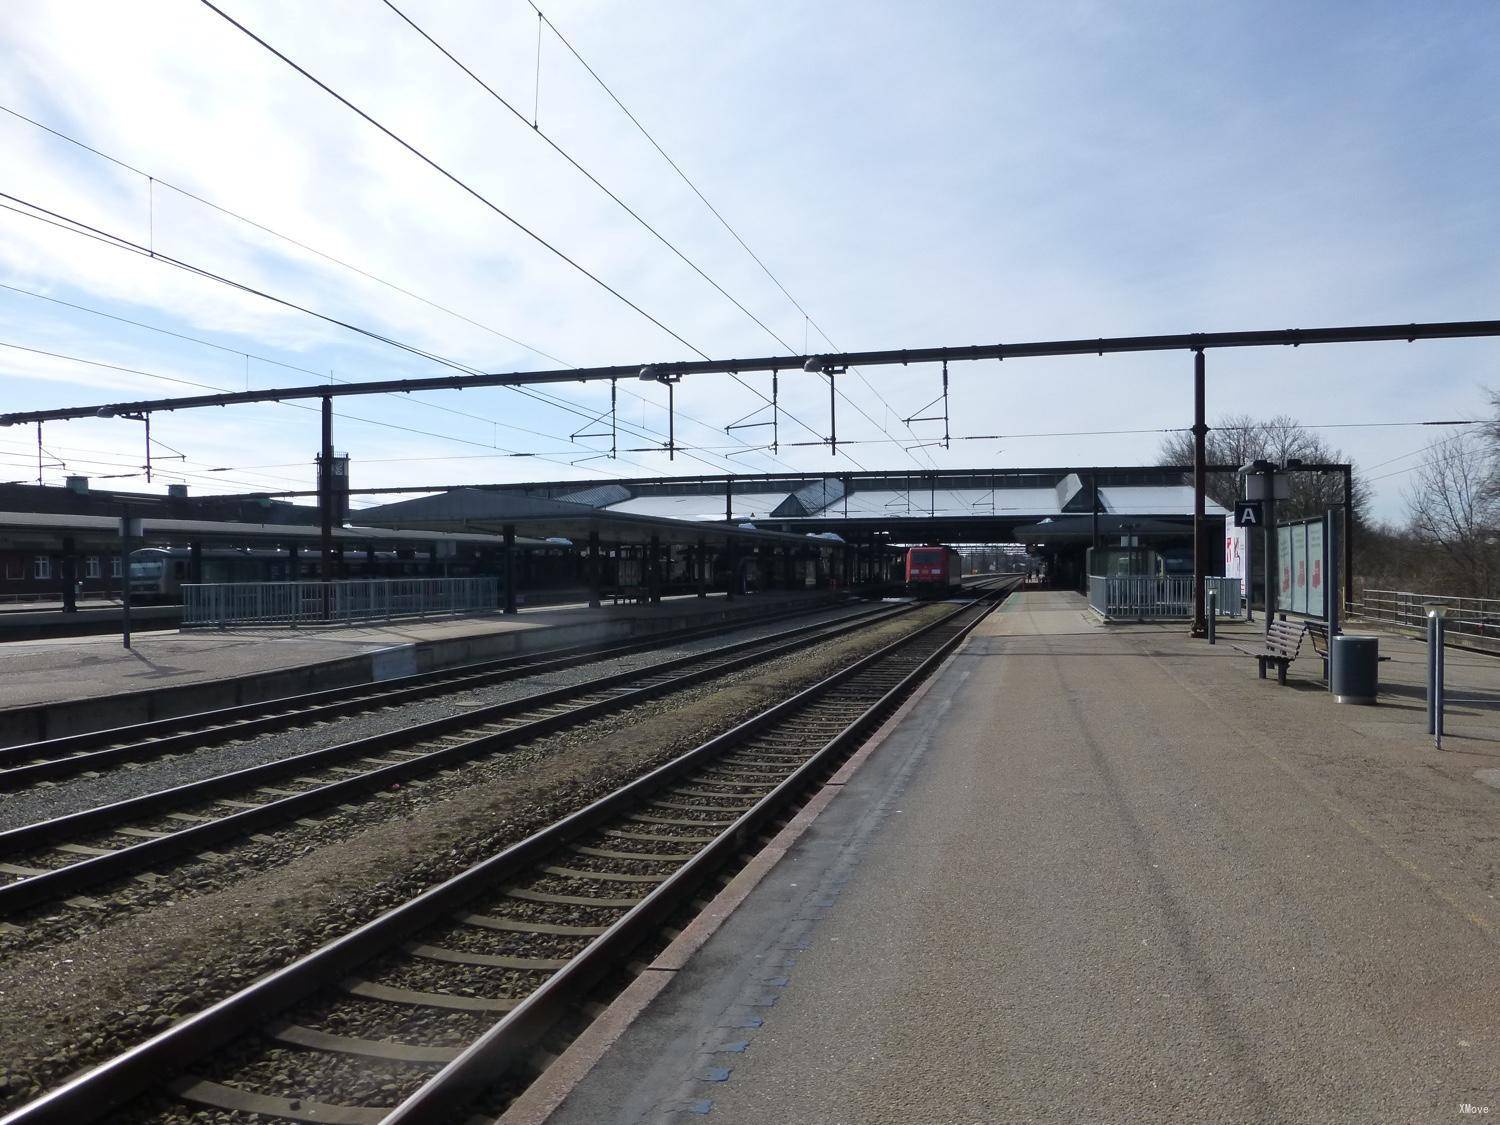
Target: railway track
54, 859
413, 1016
90, 751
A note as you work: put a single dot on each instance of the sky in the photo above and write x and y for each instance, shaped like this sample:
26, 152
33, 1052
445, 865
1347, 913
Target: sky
903, 176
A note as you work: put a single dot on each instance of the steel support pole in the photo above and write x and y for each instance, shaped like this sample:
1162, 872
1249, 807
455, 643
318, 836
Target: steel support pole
325, 510
1094, 514
653, 571
125, 576
510, 568
69, 576
732, 557
325, 493
594, 600
1200, 487
1348, 544
700, 561
1273, 562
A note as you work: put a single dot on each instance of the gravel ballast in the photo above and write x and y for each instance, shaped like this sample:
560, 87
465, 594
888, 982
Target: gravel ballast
109, 978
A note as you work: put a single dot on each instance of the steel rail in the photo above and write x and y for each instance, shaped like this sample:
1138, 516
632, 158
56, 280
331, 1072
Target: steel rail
817, 362
504, 1048
59, 882
71, 754
94, 1094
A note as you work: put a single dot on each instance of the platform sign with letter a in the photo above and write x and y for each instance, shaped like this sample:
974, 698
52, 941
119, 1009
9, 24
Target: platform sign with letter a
1249, 513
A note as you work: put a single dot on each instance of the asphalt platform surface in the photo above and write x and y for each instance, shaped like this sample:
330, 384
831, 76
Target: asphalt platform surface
1108, 875
35, 672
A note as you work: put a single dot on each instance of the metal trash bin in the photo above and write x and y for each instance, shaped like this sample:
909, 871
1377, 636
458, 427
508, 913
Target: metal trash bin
1356, 669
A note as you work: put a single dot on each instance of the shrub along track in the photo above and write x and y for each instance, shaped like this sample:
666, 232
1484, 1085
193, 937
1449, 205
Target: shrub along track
178, 945
58, 858
354, 1032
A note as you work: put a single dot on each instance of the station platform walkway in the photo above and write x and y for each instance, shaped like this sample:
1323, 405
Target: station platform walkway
58, 685
1096, 874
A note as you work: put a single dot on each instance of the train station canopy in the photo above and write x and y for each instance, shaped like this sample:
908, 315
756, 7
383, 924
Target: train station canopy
611, 517
46, 531
1036, 506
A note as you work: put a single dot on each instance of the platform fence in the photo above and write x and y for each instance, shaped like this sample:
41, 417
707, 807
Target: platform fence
1477, 618
224, 604
1149, 598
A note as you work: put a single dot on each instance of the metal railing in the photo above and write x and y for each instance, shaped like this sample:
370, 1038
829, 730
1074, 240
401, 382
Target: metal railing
1147, 598
222, 604
1474, 617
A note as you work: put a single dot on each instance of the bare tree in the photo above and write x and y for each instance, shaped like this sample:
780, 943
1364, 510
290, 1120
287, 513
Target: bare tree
1454, 506
1238, 439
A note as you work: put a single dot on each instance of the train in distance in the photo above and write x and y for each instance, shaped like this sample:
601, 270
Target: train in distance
933, 571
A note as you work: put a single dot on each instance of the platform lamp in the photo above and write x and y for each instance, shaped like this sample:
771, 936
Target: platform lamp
1267, 482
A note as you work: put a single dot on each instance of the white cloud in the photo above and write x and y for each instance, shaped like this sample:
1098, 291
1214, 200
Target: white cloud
914, 174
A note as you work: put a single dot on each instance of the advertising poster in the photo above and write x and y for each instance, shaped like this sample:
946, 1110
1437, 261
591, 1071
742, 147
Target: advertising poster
1317, 574
1299, 568
1284, 566
1237, 554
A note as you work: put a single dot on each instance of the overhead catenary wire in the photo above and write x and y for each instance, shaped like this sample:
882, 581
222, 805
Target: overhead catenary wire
717, 214
326, 256
540, 396
465, 186
497, 96
474, 192
76, 226
122, 242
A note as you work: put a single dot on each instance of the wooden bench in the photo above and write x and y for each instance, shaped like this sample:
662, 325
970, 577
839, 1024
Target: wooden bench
1318, 632
1283, 643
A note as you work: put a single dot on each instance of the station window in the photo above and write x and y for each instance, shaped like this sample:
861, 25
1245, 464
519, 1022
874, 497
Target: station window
41, 566
15, 570
114, 566
91, 567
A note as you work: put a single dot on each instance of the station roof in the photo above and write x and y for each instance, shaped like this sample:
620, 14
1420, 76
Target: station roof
491, 510
701, 508
955, 506
45, 530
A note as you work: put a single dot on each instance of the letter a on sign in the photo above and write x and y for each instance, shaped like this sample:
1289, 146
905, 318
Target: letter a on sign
1247, 513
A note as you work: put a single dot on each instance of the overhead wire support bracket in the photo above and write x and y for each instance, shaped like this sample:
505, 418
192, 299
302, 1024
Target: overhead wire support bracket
744, 423
613, 434
919, 416
56, 462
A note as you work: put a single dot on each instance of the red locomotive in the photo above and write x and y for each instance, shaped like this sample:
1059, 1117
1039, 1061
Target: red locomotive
933, 571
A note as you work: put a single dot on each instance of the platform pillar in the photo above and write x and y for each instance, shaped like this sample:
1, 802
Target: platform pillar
653, 571
733, 558
69, 576
1200, 485
593, 568
510, 568
195, 561
700, 558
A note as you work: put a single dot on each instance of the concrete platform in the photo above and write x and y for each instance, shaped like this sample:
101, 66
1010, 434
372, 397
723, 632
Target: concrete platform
1098, 874
57, 686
